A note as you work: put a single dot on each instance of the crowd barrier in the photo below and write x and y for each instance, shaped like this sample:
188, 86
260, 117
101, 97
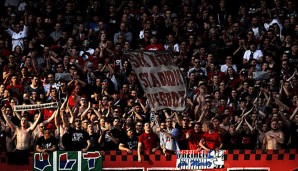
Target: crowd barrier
234, 160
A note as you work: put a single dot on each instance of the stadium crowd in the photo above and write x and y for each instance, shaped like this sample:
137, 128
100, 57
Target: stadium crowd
75, 53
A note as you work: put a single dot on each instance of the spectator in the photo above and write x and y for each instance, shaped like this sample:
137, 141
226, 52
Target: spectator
23, 136
18, 34
154, 45
228, 64
129, 143
46, 143
76, 139
93, 137
200, 35
211, 140
148, 142
169, 138
110, 136
183, 128
252, 53
273, 138
194, 136
123, 32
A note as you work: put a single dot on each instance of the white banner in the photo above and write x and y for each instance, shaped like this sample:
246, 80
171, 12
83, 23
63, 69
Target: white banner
161, 80
35, 106
193, 160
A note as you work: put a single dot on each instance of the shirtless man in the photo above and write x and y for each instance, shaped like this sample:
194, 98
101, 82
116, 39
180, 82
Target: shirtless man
273, 138
24, 133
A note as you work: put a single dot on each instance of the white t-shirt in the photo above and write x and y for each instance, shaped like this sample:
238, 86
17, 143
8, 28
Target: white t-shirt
256, 55
168, 143
224, 68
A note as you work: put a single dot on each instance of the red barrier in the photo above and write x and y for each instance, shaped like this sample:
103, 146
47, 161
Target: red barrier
276, 160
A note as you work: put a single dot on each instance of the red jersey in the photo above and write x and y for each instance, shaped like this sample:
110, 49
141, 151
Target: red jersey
212, 141
194, 139
149, 141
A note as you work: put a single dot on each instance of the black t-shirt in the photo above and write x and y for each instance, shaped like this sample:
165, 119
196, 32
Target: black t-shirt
39, 90
294, 135
108, 143
94, 141
131, 143
3, 135
233, 141
75, 140
47, 143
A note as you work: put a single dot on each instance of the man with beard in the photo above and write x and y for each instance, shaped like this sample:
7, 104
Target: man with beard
273, 138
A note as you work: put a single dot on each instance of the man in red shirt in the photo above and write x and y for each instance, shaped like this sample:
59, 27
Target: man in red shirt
154, 46
147, 142
16, 88
194, 136
211, 140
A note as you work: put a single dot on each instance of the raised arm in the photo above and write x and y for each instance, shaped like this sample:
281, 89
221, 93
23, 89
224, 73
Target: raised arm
10, 124
257, 98
262, 113
166, 114
282, 104
240, 124
138, 116
268, 100
10, 31
249, 125
177, 118
248, 112
289, 79
85, 111
72, 116
57, 119
98, 114
50, 118
17, 114
286, 121
33, 126
202, 116
294, 113
2, 123
143, 107
286, 91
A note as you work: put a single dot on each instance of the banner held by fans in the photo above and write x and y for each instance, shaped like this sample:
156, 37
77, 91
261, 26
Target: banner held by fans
194, 160
35, 106
161, 80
